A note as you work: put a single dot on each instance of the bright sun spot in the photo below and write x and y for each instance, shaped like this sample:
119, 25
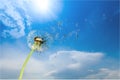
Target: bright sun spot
42, 5
45, 9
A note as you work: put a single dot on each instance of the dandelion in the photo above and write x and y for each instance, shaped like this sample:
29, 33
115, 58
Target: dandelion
37, 43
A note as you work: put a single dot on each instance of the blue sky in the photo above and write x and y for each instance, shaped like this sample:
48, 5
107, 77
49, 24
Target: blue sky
84, 39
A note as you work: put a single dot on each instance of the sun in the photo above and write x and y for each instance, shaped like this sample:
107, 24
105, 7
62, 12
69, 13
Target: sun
44, 10
42, 6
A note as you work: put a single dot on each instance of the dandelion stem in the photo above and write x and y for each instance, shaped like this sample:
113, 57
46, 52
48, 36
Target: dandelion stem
24, 65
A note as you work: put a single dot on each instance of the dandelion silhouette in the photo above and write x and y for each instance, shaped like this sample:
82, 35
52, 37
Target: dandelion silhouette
36, 43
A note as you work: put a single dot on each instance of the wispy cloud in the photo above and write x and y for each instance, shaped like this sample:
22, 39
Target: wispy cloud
14, 18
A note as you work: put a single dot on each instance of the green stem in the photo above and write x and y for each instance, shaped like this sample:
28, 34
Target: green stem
24, 65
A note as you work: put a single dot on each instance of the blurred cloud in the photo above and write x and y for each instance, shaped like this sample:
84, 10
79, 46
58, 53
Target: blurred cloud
14, 18
105, 73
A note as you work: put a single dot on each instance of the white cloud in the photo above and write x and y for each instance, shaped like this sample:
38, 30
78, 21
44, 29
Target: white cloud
13, 19
61, 64
58, 62
74, 59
